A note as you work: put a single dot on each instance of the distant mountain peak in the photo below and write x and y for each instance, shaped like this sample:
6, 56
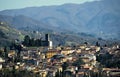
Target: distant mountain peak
91, 17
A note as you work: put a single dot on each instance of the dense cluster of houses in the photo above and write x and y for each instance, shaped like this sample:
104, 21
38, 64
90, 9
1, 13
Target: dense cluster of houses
47, 61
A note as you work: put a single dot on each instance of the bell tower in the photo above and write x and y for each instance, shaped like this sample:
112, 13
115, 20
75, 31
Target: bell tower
47, 37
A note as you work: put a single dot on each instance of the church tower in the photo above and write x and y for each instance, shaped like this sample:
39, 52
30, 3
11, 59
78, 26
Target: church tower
47, 37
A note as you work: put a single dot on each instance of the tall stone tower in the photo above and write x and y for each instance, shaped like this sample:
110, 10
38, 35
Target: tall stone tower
48, 42
47, 37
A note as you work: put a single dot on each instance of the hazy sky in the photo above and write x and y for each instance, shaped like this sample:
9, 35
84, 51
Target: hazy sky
13, 4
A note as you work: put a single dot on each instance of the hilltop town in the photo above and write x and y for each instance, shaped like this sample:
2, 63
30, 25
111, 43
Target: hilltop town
42, 59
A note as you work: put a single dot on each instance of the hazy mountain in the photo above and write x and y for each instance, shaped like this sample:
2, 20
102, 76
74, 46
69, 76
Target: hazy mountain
101, 18
9, 35
24, 23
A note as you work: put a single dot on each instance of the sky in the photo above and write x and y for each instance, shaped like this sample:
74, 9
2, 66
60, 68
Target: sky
16, 4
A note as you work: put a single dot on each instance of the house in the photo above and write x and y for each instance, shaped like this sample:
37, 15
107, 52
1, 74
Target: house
51, 73
1, 63
86, 67
112, 72
82, 47
88, 57
51, 53
67, 51
80, 74
59, 68
78, 51
42, 56
43, 73
59, 58
1, 60
11, 53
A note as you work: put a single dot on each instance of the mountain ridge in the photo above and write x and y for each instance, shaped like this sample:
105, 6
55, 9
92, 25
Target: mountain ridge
97, 17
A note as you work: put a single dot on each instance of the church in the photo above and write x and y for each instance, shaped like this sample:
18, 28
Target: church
46, 42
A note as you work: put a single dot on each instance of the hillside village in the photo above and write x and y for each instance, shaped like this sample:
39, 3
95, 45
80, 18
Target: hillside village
65, 38
83, 60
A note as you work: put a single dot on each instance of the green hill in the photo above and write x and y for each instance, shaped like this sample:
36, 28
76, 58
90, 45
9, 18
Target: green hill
8, 34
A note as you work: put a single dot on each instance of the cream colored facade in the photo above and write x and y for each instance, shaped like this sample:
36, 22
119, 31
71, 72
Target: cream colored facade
67, 51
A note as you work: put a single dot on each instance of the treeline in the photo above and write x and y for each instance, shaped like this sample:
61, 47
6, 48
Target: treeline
109, 60
31, 41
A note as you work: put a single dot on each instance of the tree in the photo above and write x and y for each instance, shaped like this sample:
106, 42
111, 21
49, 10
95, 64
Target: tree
57, 74
32, 42
2, 54
26, 41
86, 43
65, 65
6, 52
97, 43
78, 62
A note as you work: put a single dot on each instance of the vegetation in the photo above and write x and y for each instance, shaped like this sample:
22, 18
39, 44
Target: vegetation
8, 34
16, 73
64, 66
109, 60
78, 62
31, 42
